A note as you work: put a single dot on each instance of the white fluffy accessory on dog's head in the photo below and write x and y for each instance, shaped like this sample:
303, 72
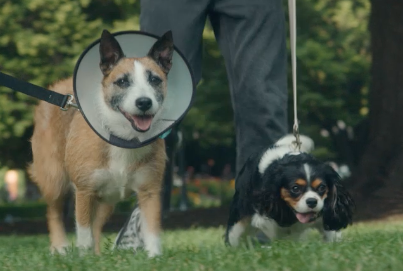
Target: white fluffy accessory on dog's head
87, 84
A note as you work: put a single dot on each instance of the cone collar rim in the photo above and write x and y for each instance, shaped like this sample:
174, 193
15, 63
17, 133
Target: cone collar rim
114, 140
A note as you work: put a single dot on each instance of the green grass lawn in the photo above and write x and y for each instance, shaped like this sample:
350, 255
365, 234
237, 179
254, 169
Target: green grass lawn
372, 246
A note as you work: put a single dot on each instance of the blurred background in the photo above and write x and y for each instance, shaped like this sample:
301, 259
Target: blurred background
349, 69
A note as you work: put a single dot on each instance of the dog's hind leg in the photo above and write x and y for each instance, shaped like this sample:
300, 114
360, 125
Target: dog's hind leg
53, 184
235, 233
57, 231
102, 214
235, 227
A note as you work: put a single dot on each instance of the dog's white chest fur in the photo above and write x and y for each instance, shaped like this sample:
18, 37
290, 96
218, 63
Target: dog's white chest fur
113, 182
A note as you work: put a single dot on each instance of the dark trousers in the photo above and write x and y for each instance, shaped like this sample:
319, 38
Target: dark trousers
252, 38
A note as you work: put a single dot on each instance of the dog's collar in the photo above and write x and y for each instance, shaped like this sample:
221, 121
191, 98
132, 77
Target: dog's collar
117, 141
164, 135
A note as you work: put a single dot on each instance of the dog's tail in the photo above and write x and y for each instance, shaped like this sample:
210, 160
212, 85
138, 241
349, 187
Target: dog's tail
307, 144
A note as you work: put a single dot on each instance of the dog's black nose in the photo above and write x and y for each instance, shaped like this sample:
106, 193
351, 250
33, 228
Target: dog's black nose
311, 202
144, 103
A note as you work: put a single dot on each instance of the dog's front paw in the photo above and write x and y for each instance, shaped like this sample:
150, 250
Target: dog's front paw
332, 236
153, 246
84, 241
154, 253
84, 251
59, 250
154, 249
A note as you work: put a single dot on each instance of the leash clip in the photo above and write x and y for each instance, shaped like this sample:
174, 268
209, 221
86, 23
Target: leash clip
69, 103
297, 143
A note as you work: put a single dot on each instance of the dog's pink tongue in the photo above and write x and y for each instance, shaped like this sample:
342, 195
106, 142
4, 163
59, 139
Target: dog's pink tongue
143, 122
304, 218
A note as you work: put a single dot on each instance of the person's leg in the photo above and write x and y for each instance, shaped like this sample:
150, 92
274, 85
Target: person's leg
252, 38
186, 19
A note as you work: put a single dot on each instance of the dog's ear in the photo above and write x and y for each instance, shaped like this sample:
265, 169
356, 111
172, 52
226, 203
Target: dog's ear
162, 50
110, 52
272, 203
338, 208
245, 183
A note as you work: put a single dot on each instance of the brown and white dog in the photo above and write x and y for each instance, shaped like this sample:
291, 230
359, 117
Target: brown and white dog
67, 153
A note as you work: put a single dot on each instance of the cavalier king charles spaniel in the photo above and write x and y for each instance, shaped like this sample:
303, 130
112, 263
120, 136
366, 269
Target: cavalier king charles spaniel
282, 193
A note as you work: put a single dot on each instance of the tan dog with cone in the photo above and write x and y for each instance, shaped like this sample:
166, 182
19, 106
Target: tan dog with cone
68, 153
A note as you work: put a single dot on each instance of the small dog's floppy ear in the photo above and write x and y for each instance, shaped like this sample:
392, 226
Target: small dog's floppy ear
271, 200
338, 209
162, 51
245, 183
110, 52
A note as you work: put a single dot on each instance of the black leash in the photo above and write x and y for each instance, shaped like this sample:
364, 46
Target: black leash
63, 101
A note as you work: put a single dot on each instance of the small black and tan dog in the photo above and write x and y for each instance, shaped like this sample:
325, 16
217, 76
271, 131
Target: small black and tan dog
282, 193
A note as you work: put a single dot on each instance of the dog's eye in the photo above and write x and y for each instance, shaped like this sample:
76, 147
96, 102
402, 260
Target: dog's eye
122, 82
154, 80
295, 189
321, 188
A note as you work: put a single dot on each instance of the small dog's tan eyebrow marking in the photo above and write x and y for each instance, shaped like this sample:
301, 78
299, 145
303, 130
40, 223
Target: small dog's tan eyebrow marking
315, 184
301, 182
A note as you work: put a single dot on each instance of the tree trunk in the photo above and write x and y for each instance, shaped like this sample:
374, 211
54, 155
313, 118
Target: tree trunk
378, 180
